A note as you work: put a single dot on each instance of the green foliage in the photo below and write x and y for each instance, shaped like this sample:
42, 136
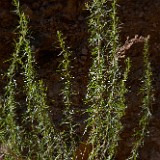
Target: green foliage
33, 137
97, 85
30, 134
105, 113
147, 92
69, 134
65, 72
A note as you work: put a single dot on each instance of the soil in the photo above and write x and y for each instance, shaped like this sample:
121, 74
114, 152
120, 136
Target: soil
46, 17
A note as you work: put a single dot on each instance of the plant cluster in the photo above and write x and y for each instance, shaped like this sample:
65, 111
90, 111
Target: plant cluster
30, 133
69, 134
147, 92
105, 112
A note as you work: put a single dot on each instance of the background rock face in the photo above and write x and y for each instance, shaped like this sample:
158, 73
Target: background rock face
46, 17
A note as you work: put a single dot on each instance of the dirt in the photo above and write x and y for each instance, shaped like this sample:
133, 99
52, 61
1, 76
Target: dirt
46, 17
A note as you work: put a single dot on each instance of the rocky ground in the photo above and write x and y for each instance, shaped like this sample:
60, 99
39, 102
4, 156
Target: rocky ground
46, 17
